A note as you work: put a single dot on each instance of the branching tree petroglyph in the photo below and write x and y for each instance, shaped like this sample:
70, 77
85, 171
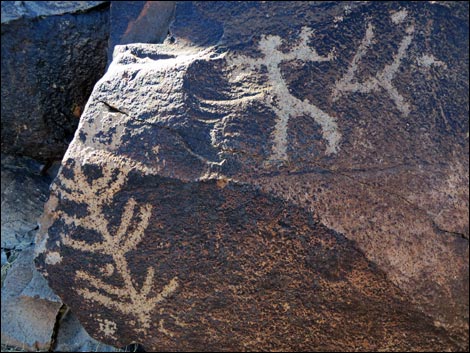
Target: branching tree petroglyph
128, 299
286, 105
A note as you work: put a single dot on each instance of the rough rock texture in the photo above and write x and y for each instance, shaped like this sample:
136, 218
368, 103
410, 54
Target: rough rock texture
13, 10
275, 176
139, 22
49, 66
72, 337
23, 193
29, 307
4, 257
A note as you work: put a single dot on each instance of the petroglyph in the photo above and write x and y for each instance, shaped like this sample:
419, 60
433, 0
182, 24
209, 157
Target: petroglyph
107, 327
383, 79
399, 16
278, 96
426, 61
96, 195
53, 258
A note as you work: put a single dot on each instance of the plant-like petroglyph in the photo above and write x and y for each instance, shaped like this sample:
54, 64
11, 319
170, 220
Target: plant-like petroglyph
116, 242
278, 96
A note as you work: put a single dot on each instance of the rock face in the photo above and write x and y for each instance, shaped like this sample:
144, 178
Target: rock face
49, 66
72, 337
29, 307
139, 22
275, 176
23, 193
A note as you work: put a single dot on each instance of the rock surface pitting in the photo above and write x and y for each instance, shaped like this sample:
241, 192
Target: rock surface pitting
261, 184
53, 53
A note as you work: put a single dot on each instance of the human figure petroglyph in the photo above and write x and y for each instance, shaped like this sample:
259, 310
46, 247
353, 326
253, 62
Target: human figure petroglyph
279, 98
98, 194
287, 106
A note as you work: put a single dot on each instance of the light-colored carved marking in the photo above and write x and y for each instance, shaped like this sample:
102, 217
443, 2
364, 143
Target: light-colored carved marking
338, 19
345, 83
383, 79
108, 327
399, 16
177, 321
53, 258
427, 61
285, 105
134, 221
163, 330
107, 270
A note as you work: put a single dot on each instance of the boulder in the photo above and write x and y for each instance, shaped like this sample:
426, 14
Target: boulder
53, 52
274, 176
139, 22
23, 194
72, 337
29, 310
14, 10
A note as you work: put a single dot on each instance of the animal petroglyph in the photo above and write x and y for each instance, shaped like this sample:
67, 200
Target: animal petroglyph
96, 195
383, 79
278, 96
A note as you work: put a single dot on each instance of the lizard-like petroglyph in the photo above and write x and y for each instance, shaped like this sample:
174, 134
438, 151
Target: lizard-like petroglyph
115, 243
278, 96
383, 79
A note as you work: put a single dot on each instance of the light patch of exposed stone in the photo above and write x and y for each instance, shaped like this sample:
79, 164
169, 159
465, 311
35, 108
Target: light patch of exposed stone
53, 258
108, 327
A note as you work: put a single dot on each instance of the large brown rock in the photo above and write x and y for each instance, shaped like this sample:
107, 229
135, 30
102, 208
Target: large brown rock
275, 176
53, 52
